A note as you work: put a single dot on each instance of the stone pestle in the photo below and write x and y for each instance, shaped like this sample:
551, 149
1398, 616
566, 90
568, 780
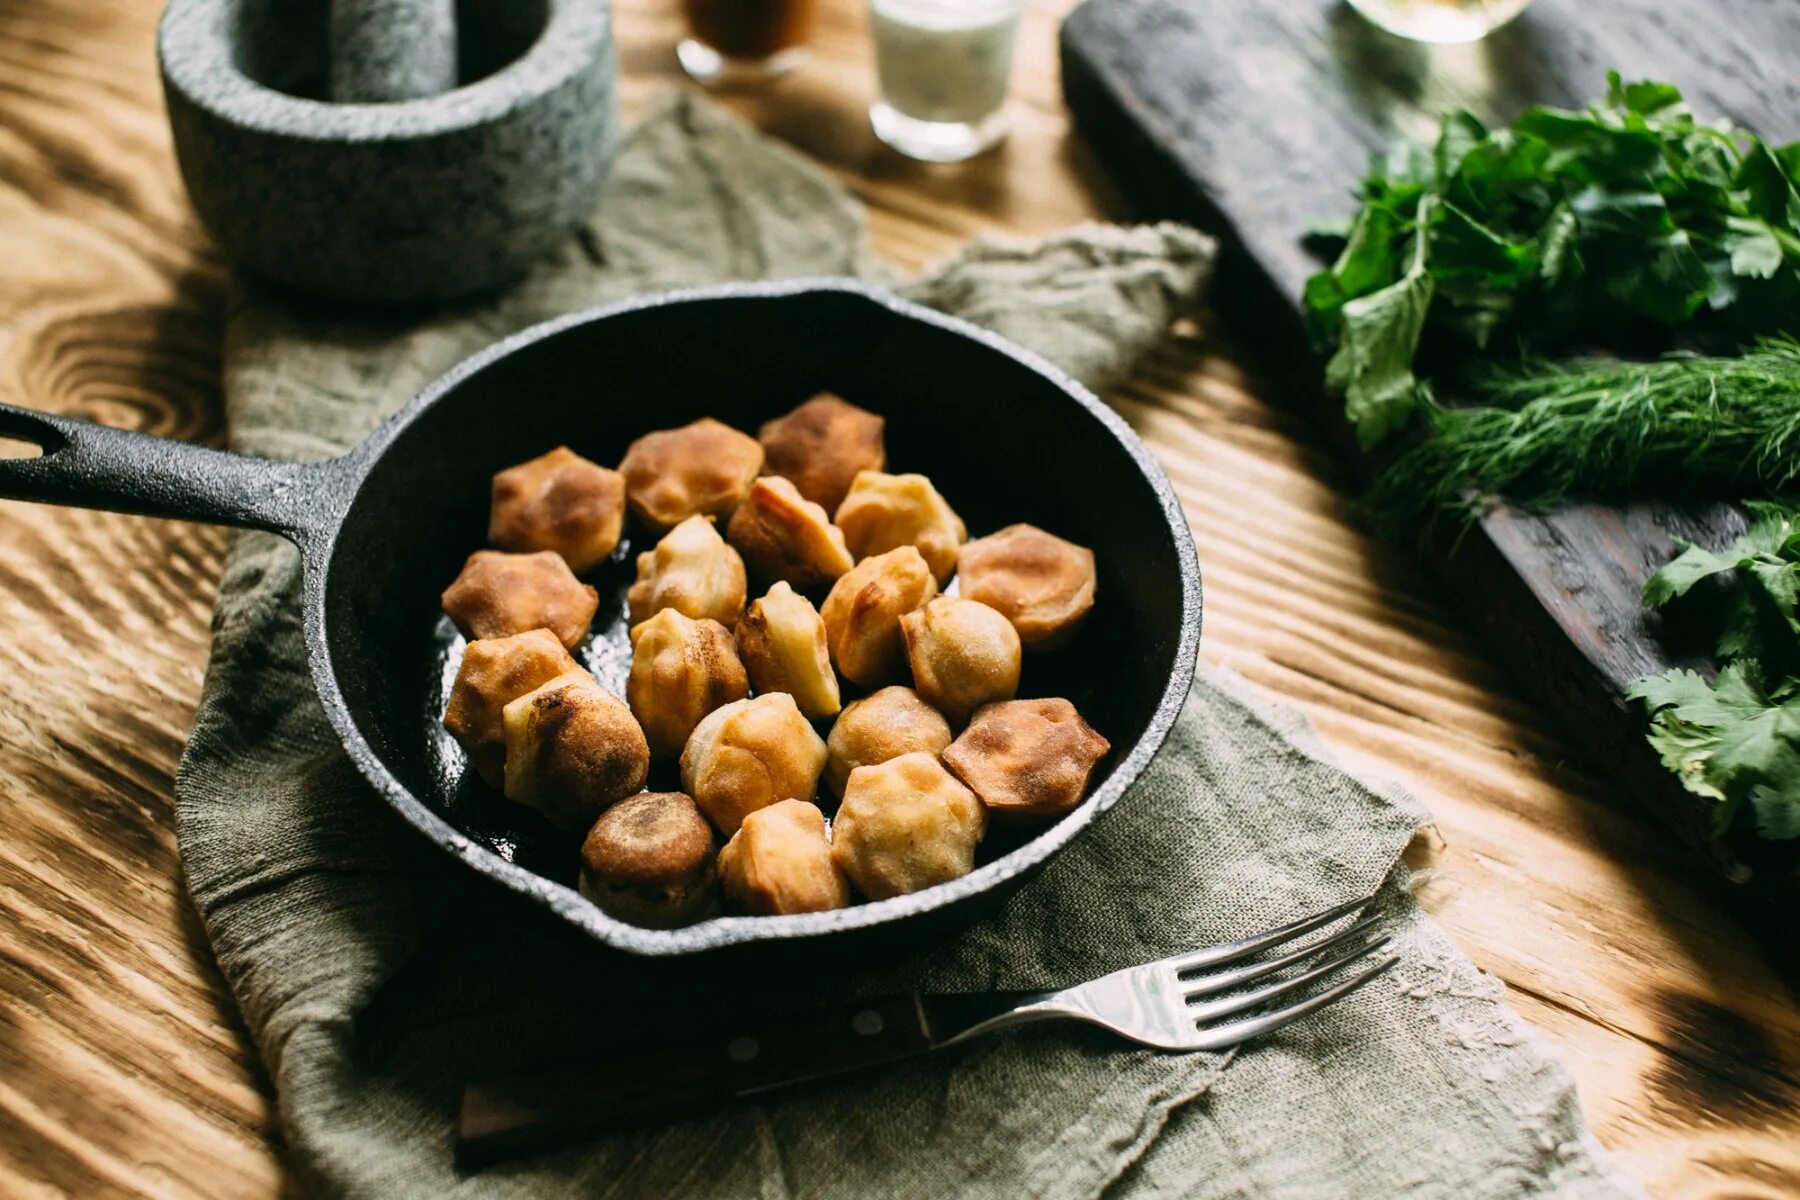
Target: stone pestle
384, 51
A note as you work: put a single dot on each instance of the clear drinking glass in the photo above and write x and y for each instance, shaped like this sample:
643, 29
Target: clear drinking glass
944, 66
733, 41
1440, 20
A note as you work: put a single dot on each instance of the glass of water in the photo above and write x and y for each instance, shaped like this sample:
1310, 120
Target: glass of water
1440, 20
944, 66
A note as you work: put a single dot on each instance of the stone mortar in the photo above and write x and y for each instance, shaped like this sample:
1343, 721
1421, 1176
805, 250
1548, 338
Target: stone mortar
398, 203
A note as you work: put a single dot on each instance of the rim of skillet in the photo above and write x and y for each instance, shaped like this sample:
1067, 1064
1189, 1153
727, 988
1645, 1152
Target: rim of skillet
721, 932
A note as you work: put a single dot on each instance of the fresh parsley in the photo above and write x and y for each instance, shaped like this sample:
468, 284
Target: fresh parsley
1560, 226
1736, 740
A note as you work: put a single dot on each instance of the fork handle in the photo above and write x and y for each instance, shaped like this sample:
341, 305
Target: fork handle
504, 1116
658, 1082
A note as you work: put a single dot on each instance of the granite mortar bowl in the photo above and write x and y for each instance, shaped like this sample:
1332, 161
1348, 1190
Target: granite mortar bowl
394, 203
384, 528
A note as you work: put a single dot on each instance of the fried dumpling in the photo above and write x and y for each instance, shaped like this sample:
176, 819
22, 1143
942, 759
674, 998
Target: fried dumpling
650, 860
748, 755
862, 614
572, 750
782, 642
1028, 760
562, 502
494, 673
821, 446
963, 655
500, 594
885, 511
703, 468
784, 536
1041, 583
692, 571
681, 669
779, 861
880, 726
905, 825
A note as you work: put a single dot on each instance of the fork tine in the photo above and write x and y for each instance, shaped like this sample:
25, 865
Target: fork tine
1226, 952
1224, 981
1257, 997
1222, 1037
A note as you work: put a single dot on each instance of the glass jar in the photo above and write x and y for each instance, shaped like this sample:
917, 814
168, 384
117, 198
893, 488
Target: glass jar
744, 40
943, 66
1440, 21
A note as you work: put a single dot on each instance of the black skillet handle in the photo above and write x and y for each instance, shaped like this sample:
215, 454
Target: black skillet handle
92, 466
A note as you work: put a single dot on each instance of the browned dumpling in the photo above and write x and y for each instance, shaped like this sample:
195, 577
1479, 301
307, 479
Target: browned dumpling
499, 594
1041, 583
1028, 760
493, 674
821, 446
649, 860
880, 726
681, 669
749, 755
782, 642
963, 655
885, 511
692, 571
862, 614
559, 501
905, 825
572, 749
674, 474
779, 861
784, 536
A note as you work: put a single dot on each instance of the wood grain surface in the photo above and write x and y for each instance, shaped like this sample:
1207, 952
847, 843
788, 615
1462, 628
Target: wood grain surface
1259, 118
123, 1070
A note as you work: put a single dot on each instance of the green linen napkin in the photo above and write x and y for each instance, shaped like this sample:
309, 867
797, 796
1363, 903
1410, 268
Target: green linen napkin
377, 977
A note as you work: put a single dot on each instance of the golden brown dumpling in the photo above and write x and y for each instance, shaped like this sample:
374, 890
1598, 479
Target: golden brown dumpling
572, 749
749, 755
862, 614
681, 669
782, 642
821, 446
1028, 760
880, 726
780, 862
692, 571
559, 501
963, 655
493, 674
905, 825
674, 474
885, 511
1041, 583
499, 594
649, 860
783, 536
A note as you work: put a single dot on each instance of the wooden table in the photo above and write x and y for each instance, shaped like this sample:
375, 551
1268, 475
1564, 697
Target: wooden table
123, 1069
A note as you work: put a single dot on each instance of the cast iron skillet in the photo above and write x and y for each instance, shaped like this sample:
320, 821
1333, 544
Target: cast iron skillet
382, 530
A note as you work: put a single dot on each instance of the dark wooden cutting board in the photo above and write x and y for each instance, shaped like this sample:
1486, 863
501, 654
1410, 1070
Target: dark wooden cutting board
1255, 118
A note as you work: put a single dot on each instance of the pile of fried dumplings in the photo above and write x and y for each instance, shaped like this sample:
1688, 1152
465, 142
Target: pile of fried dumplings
850, 632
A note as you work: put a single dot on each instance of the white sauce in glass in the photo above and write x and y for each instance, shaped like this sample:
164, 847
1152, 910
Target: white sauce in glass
944, 60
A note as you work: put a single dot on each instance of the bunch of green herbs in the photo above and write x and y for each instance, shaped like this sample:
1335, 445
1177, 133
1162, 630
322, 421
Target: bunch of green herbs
1561, 227
1736, 739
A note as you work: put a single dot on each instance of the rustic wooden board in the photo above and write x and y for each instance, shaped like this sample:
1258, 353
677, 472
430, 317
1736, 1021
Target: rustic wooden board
1256, 119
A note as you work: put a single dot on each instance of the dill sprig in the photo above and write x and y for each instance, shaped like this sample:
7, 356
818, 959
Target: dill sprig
1602, 427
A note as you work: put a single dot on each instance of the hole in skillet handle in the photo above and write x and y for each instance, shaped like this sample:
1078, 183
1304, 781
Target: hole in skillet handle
23, 436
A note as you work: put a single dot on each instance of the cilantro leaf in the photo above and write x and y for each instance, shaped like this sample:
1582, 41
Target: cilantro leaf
1733, 741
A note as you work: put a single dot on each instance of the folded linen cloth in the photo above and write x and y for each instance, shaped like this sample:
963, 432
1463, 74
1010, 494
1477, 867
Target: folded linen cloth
377, 977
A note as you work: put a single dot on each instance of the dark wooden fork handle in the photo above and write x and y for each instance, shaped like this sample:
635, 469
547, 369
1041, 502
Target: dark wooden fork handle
661, 1081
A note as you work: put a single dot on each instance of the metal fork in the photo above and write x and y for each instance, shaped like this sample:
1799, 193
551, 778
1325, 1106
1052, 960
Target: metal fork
1209, 999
